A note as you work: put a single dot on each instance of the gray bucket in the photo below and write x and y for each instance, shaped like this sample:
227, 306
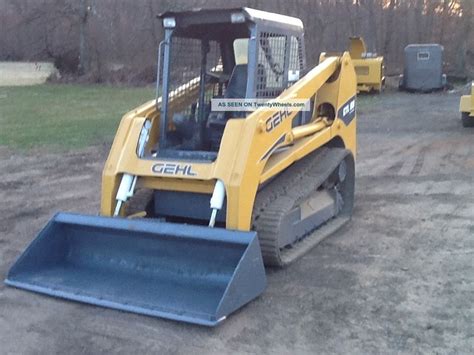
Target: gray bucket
187, 273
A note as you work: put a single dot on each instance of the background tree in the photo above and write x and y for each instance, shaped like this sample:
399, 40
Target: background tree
116, 40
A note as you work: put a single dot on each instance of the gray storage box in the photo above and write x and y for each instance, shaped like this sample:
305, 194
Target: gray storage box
423, 68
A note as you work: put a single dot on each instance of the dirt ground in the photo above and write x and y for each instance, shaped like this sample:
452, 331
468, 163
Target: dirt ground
398, 279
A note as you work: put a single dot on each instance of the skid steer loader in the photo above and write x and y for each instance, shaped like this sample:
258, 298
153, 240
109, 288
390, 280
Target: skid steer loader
195, 201
466, 106
368, 66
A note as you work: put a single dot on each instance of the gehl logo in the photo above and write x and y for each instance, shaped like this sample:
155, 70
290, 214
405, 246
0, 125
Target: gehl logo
276, 119
173, 169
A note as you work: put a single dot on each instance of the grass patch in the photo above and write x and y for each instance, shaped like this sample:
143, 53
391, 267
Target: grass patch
62, 117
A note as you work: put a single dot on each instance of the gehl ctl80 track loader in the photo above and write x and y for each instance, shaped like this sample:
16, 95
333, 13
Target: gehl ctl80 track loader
194, 202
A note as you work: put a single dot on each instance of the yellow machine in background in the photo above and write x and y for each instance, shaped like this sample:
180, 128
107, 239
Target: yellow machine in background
466, 106
368, 66
195, 200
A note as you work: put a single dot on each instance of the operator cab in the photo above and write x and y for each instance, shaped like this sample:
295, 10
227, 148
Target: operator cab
226, 53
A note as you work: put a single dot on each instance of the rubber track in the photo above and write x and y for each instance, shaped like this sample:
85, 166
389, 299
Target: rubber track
287, 190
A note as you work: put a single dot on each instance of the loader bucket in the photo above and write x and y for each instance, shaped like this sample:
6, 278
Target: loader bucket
188, 273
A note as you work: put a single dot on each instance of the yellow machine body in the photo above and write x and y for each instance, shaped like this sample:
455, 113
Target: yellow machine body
248, 156
467, 103
369, 68
466, 107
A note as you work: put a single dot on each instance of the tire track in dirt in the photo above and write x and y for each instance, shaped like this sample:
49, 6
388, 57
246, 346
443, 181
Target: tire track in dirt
420, 159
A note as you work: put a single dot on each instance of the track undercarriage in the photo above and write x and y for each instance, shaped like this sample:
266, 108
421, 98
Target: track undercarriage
305, 204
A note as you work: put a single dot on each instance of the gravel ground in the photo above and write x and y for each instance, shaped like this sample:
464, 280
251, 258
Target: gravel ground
398, 279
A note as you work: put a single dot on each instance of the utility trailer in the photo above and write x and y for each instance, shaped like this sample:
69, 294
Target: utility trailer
423, 68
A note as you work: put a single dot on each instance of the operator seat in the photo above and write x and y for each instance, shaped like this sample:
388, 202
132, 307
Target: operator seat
237, 86
216, 121
236, 89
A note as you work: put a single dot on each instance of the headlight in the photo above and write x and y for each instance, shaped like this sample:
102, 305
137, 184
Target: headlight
237, 17
169, 22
